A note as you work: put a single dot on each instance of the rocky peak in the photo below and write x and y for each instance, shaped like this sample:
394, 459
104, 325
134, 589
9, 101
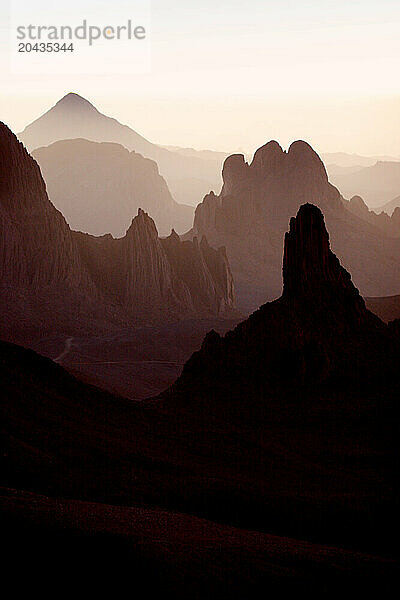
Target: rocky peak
396, 214
142, 224
269, 158
310, 269
357, 204
174, 237
302, 157
72, 101
234, 172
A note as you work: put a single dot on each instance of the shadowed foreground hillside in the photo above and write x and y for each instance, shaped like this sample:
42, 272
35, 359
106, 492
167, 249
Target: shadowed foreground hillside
286, 427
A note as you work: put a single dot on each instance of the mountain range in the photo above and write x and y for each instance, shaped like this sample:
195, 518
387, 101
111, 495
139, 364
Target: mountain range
99, 186
351, 161
287, 427
377, 184
389, 207
188, 177
56, 280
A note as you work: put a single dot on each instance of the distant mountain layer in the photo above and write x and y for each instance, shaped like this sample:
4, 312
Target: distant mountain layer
99, 186
389, 225
75, 117
213, 155
389, 207
54, 279
252, 212
345, 160
376, 184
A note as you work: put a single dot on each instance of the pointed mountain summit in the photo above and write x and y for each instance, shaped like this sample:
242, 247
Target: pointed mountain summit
74, 101
310, 269
189, 177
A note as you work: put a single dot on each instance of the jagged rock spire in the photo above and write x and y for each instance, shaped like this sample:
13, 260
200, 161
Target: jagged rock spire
309, 266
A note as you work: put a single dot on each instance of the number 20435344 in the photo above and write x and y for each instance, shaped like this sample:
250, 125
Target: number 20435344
45, 47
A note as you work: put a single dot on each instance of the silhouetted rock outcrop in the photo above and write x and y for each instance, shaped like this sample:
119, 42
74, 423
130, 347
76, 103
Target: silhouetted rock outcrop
98, 187
251, 215
318, 330
310, 269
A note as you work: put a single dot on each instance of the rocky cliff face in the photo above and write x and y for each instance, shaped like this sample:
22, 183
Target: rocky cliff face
252, 213
98, 187
57, 280
153, 277
37, 246
41, 276
204, 271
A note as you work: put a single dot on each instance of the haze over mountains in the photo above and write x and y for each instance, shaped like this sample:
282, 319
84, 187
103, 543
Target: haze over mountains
353, 161
270, 457
250, 216
377, 184
189, 173
188, 177
286, 425
389, 207
54, 279
99, 186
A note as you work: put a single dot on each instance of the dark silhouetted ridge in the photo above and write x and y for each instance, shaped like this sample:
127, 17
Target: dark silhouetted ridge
288, 424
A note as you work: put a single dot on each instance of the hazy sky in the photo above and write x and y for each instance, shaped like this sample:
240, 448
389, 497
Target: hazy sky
230, 74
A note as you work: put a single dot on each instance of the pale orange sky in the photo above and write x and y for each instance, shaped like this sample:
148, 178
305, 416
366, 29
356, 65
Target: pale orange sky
231, 75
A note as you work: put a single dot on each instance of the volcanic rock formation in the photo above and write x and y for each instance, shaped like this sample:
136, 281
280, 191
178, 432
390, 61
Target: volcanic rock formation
318, 329
251, 215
